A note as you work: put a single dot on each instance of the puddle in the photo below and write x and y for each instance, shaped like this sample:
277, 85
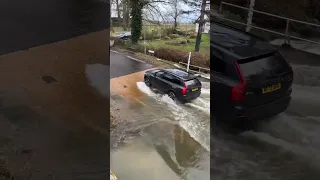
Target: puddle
98, 76
138, 160
49, 79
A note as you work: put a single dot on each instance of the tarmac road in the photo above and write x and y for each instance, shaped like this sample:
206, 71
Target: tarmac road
54, 93
26, 24
123, 65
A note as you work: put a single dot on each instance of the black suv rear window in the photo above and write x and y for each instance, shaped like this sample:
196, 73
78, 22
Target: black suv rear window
266, 66
192, 82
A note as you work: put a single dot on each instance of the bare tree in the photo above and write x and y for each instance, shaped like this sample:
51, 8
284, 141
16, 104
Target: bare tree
125, 14
199, 6
137, 7
176, 12
118, 9
201, 23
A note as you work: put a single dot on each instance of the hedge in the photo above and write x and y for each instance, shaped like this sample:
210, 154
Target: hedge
197, 58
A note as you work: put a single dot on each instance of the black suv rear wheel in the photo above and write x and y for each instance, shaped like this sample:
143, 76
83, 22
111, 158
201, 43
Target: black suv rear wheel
172, 95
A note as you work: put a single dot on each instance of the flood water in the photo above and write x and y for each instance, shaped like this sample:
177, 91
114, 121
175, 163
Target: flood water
162, 138
285, 147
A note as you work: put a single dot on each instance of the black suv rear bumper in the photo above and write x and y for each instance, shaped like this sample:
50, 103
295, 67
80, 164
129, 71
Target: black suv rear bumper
263, 111
189, 97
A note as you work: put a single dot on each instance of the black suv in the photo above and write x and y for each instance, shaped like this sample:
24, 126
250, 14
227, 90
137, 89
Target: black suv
176, 83
250, 79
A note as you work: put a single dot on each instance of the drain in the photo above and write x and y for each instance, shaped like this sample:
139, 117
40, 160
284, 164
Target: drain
49, 79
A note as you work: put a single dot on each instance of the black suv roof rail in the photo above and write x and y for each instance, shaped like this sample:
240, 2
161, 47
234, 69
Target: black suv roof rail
187, 77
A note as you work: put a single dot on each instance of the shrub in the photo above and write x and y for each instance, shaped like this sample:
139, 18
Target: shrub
192, 36
149, 35
178, 43
174, 36
174, 55
124, 43
139, 48
118, 41
191, 32
127, 43
166, 31
181, 33
156, 37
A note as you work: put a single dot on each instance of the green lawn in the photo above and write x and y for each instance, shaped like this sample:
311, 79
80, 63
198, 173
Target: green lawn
149, 28
204, 46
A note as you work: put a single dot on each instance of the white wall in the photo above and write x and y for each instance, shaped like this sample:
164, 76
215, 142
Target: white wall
206, 28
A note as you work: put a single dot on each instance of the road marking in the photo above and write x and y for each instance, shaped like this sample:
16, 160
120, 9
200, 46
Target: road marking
135, 59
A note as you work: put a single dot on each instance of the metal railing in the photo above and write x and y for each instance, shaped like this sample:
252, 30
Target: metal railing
199, 68
288, 20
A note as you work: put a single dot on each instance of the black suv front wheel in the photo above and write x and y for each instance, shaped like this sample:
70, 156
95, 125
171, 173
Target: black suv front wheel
147, 81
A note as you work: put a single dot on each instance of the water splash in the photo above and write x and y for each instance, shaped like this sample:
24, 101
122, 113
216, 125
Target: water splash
189, 119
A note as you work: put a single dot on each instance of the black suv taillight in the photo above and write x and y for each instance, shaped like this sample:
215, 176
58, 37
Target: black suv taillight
184, 89
238, 91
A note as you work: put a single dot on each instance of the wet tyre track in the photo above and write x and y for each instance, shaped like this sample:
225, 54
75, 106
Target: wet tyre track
284, 147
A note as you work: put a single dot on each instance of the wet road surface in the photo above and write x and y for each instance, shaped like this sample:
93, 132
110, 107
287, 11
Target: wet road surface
122, 65
285, 147
159, 138
56, 130
26, 24
54, 97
